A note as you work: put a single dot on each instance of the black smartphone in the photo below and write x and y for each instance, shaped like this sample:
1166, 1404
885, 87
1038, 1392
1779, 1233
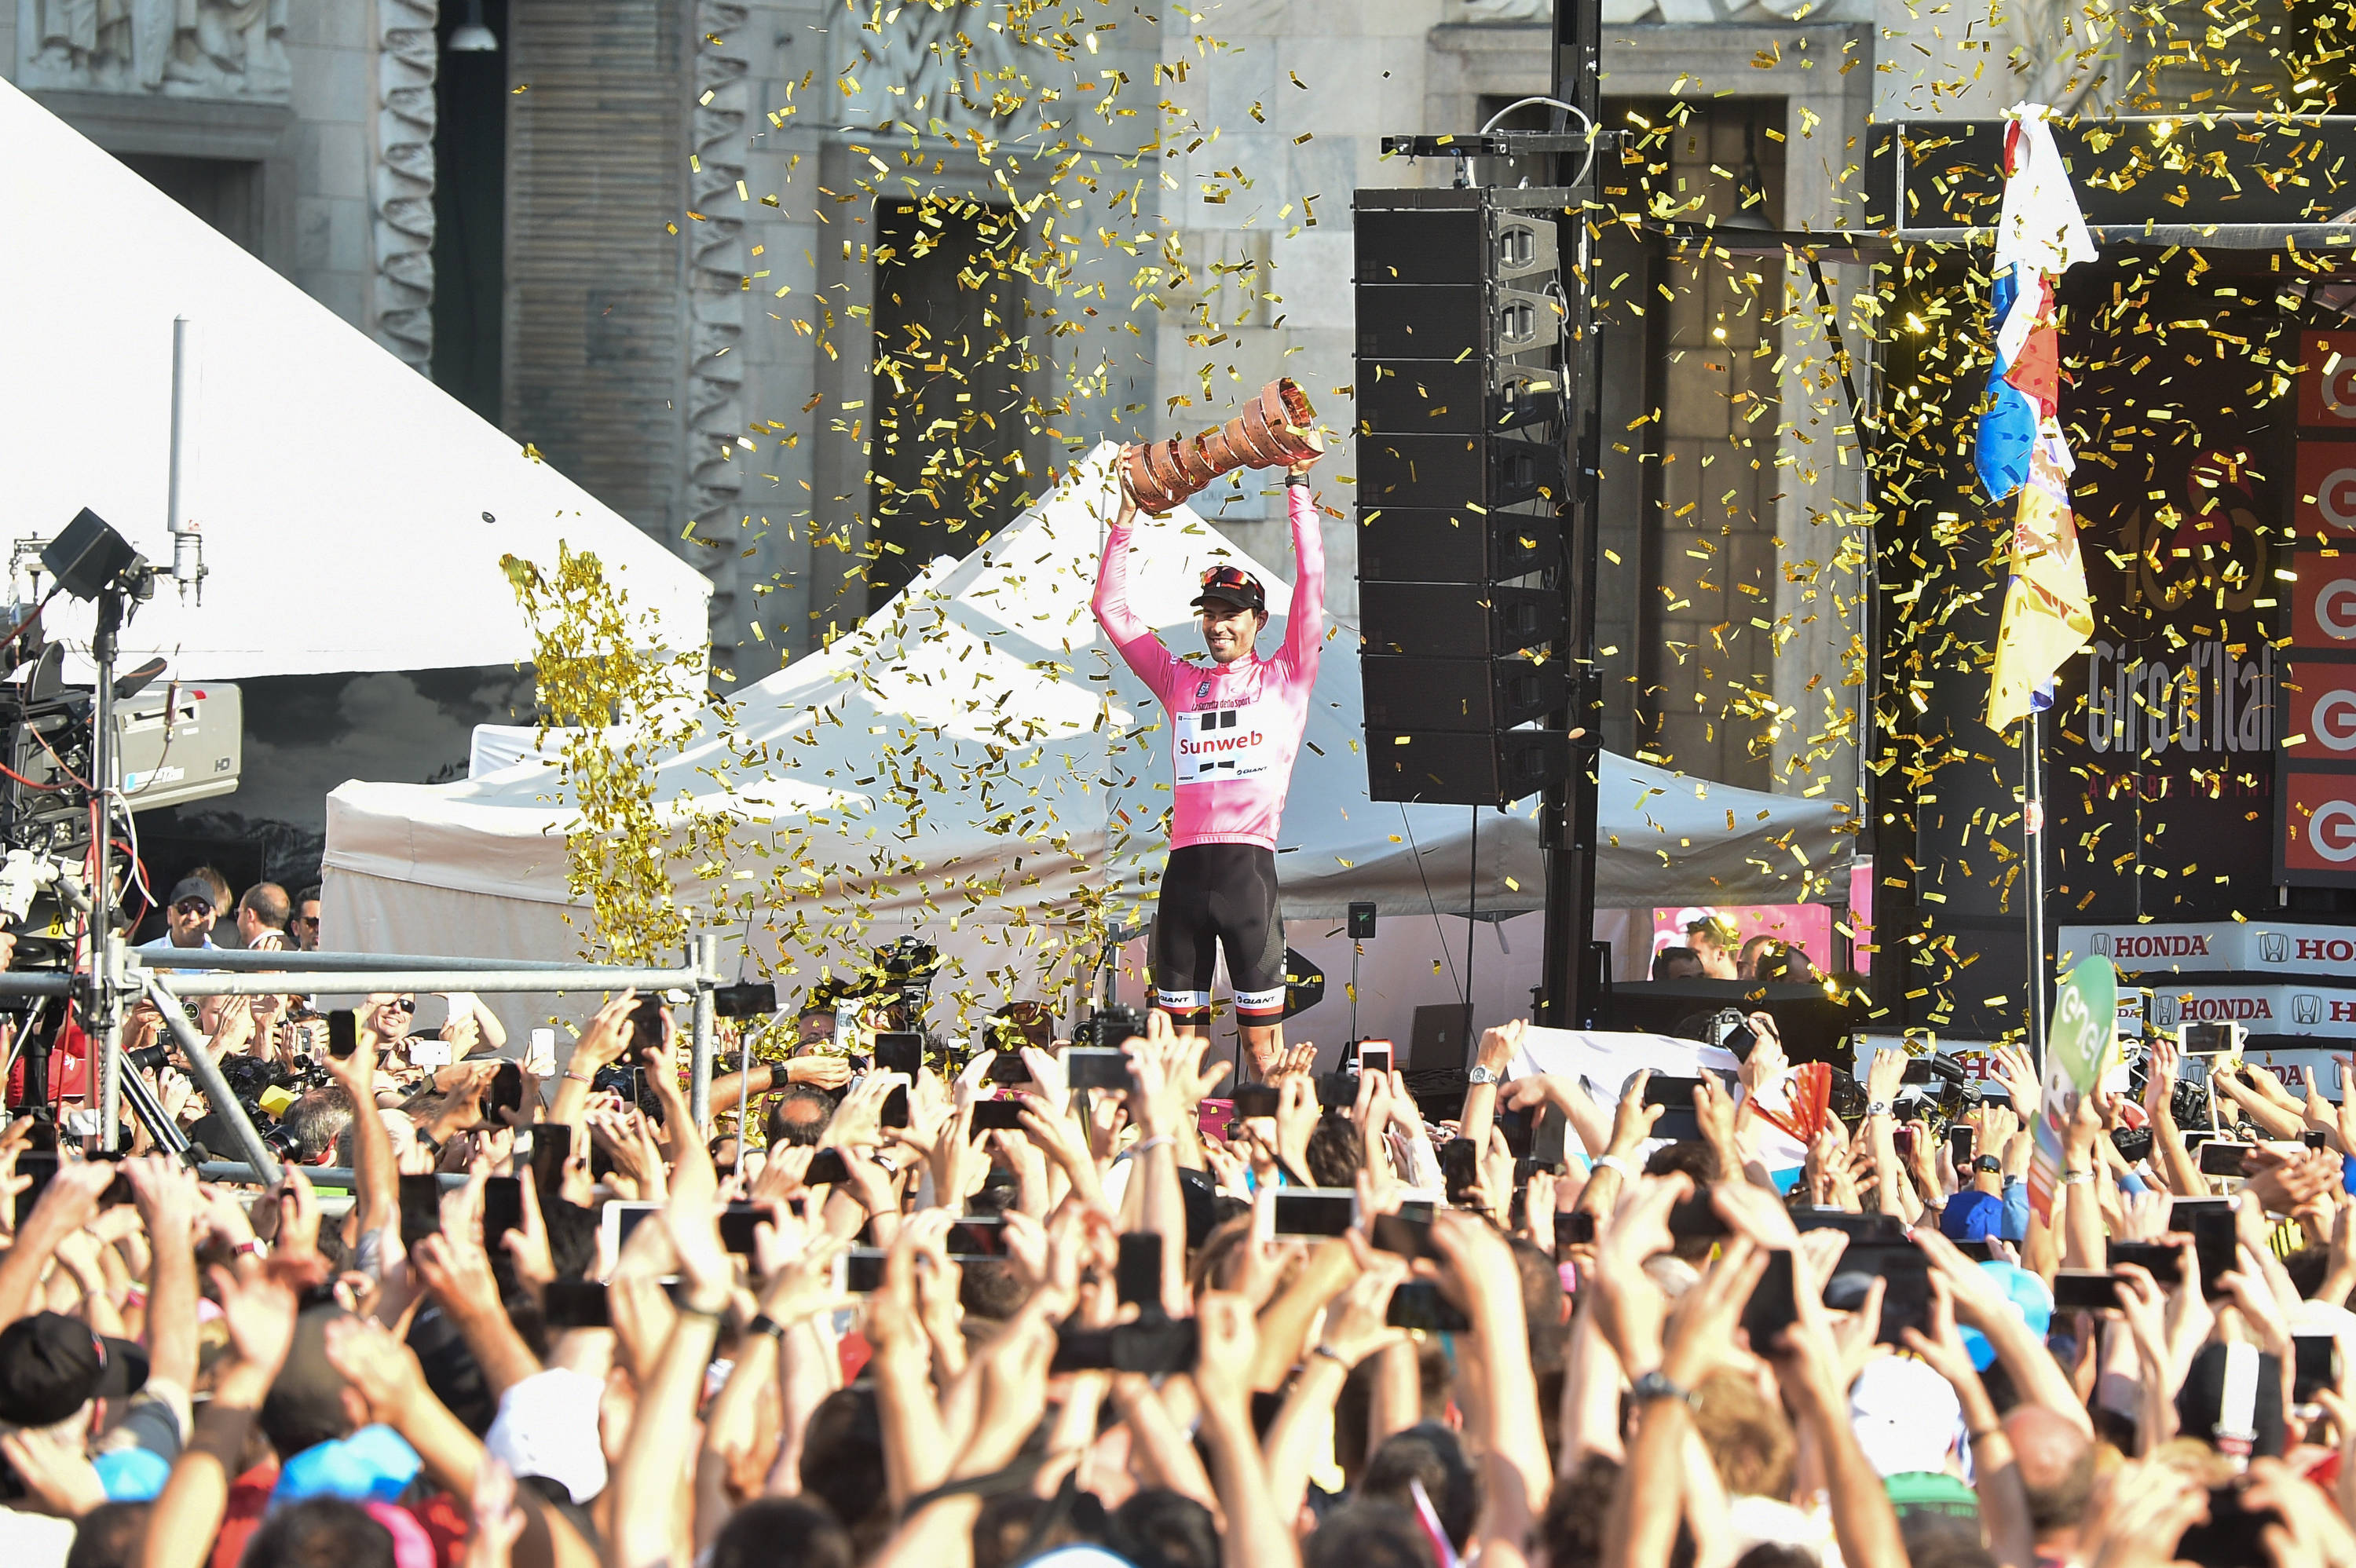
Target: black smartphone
1418, 1305
1917, 1070
2165, 1263
1008, 1067
2311, 1138
2085, 1290
863, 1270
1095, 1067
1529, 1166
1959, 1149
1337, 1091
900, 1050
978, 1236
1315, 1211
736, 1222
1408, 1233
1136, 1276
2216, 1241
43, 1168
749, 1000
1574, 1229
1256, 1099
574, 1304
646, 1026
1905, 1272
502, 1213
826, 1169
343, 1033
1374, 1056
2219, 1158
1979, 1252
2315, 1365
1677, 1094
1152, 1346
421, 1207
1771, 1309
507, 1090
998, 1115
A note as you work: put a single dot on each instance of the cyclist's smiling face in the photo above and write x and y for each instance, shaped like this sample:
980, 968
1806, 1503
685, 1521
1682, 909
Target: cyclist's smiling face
1228, 630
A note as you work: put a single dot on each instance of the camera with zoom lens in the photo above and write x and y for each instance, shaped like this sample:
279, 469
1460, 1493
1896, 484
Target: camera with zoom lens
148, 1057
1107, 1028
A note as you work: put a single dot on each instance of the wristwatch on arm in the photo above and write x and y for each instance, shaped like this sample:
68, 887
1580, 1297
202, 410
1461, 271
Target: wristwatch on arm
1482, 1074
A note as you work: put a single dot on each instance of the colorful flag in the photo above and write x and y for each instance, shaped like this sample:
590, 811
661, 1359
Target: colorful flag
2040, 233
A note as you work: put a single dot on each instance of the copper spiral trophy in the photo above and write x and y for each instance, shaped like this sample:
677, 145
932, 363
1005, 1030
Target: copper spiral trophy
1275, 431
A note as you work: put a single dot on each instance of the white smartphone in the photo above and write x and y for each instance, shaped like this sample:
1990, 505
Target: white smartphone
429, 1053
539, 1058
619, 1218
461, 1005
1374, 1056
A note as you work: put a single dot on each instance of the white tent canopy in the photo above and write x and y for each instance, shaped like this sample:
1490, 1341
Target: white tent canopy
353, 513
915, 774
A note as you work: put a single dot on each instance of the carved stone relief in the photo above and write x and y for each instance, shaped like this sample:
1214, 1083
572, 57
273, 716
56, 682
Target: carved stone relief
717, 264
942, 60
180, 49
402, 217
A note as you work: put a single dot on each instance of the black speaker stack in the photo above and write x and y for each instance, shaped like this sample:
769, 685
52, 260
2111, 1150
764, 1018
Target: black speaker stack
1463, 339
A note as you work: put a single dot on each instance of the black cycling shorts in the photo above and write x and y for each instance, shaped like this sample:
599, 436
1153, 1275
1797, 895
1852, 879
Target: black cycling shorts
1215, 895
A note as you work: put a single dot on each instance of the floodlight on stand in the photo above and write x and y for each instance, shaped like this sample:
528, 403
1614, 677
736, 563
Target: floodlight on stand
472, 38
90, 558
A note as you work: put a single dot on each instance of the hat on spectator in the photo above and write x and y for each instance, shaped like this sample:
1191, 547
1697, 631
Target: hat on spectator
190, 888
373, 1465
1906, 1416
547, 1426
1932, 1492
131, 1474
2029, 1297
52, 1365
1972, 1216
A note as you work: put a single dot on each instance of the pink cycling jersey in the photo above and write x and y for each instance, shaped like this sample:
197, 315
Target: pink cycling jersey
1237, 725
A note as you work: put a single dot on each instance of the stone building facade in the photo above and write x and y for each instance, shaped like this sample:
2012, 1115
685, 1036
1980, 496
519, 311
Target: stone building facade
643, 238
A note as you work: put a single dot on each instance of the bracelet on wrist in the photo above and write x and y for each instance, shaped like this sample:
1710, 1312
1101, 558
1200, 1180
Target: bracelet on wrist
762, 1323
1332, 1355
577, 1077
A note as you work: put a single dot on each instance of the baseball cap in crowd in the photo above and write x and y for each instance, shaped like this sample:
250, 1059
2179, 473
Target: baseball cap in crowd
2029, 1297
1972, 1216
189, 887
2246, 1378
1906, 1416
373, 1465
52, 1365
547, 1426
1232, 585
1932, 1492
131, 1474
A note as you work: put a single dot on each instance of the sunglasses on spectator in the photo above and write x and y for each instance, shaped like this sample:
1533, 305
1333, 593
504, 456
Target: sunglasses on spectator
406, 1005
192, 906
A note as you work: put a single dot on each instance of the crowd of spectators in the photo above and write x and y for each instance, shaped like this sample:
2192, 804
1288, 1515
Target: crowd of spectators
982, 1314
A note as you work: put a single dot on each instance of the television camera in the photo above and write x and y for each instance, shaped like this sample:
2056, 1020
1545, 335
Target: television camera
171, 741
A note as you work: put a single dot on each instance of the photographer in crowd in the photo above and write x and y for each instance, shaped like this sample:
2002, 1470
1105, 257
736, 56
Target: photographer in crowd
1067, 1306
